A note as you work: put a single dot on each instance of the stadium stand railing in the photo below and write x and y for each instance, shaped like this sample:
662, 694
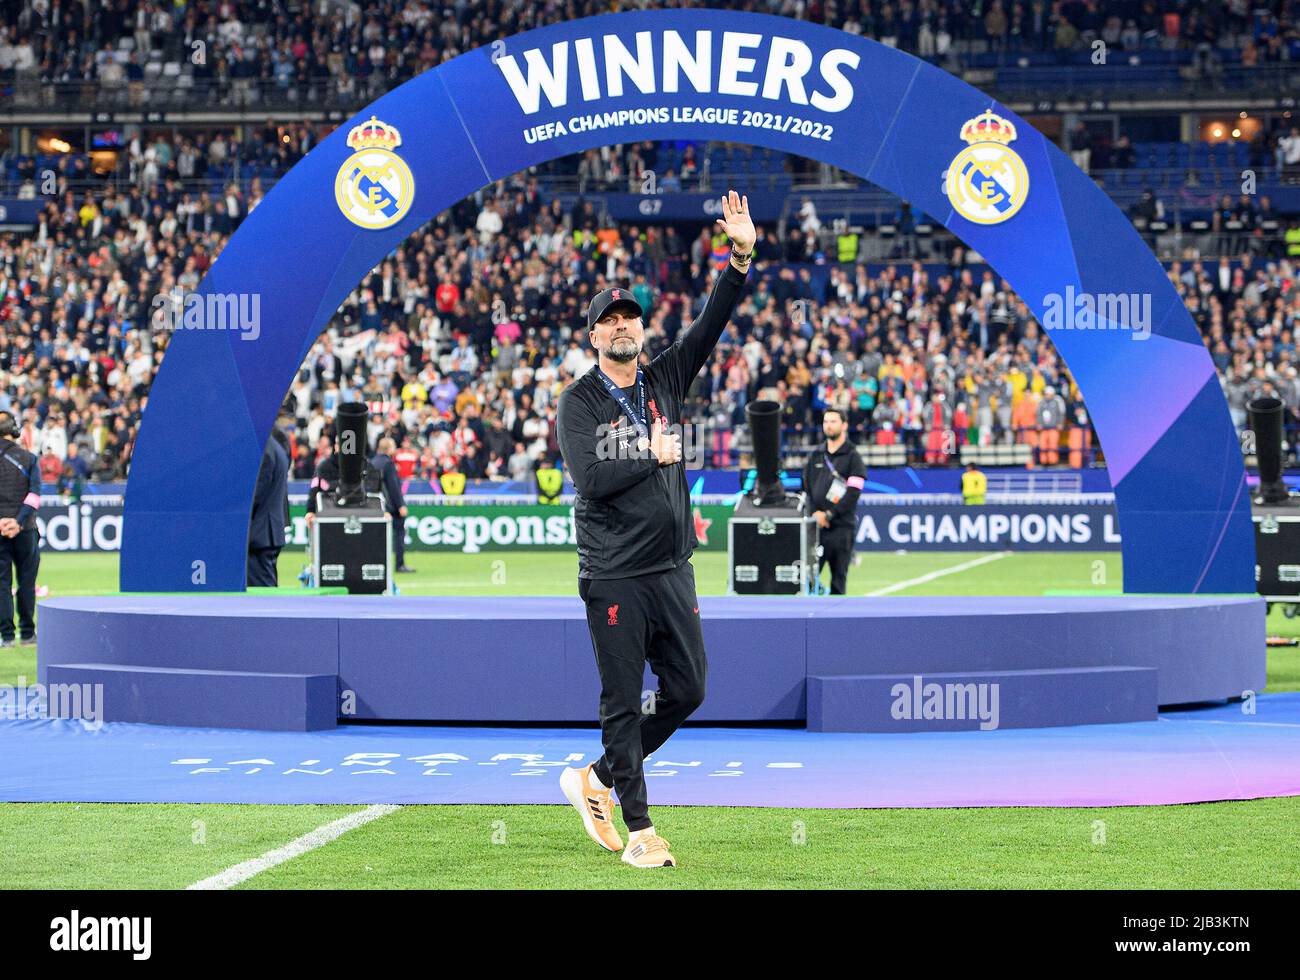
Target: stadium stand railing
172, 85
939, 499
1013, 455
1031, 484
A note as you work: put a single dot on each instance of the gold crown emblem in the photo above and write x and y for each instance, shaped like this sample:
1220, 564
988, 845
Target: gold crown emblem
374, 134
988, 128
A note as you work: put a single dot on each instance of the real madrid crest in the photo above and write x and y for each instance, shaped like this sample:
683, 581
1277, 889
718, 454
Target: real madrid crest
374, 187
987, 182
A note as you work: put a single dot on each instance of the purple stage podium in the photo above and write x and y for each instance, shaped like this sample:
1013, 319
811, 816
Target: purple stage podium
893, 664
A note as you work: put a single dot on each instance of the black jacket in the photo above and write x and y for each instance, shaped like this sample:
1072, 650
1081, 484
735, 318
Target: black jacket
326, 481
20, 484
633, 516
268, 520
817, 480
391, 482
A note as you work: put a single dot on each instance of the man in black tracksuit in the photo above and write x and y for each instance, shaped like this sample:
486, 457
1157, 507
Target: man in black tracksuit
20, 539
833, 478
617, 430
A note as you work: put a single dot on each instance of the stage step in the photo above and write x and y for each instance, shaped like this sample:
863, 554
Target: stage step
197, 698
981, 700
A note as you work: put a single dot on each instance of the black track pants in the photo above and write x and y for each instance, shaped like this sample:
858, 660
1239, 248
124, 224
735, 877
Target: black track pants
837, 551
20, 556
650, 617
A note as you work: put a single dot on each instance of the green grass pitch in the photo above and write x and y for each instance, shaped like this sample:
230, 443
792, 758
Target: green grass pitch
1251, 844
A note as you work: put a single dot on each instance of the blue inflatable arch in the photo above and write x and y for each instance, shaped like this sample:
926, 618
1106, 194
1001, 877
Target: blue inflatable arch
894, 120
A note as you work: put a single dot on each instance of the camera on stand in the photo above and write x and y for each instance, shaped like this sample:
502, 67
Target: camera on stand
352, 536
771, 536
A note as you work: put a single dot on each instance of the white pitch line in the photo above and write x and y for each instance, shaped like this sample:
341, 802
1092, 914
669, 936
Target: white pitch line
940, 573
307, 842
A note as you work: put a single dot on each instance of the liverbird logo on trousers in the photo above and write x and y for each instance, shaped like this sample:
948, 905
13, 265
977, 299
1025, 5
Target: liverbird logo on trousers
613, 614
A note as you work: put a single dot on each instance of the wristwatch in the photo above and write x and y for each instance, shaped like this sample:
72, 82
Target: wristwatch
742, 257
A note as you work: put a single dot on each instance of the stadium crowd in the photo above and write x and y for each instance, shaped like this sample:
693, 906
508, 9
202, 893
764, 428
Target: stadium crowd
463, 338
367, 46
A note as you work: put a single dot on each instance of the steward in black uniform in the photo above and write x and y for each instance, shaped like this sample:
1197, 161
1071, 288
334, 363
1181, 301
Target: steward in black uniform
635, 531
394, 502
833, 477
270, 514
20, 540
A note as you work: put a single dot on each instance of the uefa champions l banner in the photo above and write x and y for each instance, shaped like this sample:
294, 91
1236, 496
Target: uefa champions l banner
991, 527
899, 122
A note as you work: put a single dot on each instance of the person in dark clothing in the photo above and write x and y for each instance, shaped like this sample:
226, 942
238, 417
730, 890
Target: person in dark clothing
20, 539
394, 502
270, 513
635, 535
326, 479
833, 478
